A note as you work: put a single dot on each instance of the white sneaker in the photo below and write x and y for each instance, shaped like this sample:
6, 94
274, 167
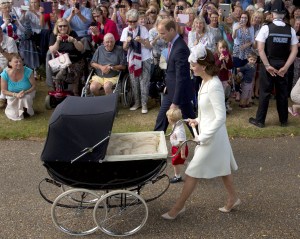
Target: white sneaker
228, 108
135, 107
144, 110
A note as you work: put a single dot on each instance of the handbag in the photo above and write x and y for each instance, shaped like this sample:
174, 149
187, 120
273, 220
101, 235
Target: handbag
58, 63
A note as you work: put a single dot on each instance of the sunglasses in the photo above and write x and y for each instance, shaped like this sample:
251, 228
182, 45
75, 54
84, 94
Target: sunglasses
60, 26
132, 21
153, 12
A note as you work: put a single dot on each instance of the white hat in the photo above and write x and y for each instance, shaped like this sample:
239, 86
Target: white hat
197, 52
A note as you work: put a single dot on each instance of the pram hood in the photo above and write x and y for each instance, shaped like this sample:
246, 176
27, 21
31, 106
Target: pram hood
79, 123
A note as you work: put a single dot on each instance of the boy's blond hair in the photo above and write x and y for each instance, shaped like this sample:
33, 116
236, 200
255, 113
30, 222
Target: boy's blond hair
174, 114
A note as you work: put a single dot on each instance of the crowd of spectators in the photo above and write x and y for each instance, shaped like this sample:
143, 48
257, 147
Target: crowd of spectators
36, 30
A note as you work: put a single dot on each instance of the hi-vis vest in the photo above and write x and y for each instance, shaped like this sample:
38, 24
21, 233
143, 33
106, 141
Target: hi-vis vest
278, 43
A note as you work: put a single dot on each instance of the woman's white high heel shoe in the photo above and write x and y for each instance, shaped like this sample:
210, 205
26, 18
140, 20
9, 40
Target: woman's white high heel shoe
168, 217
223, 209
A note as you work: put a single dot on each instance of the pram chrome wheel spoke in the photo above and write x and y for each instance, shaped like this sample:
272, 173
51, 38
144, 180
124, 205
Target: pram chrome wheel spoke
120, 213
71, 212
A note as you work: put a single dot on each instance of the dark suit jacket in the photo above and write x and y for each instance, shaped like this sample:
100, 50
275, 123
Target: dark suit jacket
178, 81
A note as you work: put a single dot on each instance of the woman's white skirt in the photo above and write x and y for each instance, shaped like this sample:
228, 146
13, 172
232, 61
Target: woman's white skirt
15, 106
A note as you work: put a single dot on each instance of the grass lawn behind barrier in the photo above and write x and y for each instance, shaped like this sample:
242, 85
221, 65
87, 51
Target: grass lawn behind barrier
35, 128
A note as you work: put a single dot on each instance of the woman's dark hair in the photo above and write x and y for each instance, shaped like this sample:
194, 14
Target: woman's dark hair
106, 10
209, 61
248, 24
128, 1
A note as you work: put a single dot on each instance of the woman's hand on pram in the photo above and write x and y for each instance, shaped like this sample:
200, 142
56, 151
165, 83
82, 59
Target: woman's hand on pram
192, 122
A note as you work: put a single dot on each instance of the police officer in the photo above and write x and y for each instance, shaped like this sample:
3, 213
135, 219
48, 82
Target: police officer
277, 47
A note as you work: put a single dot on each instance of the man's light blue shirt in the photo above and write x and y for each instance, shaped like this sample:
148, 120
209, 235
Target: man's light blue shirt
80, 27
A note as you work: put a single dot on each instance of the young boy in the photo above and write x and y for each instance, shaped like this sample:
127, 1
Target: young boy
248, 72
176, 138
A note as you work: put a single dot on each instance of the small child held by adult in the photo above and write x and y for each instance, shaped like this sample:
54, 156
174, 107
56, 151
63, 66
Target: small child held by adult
177, 137
223, 59
248, 71
295, 97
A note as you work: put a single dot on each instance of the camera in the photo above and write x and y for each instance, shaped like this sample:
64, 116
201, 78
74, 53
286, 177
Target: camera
93, 24
64, 38
120, 6
180, 8
77, 5
225, 53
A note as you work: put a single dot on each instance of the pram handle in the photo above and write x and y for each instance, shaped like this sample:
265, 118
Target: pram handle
176, 124
186, 141
181, 145
194, 130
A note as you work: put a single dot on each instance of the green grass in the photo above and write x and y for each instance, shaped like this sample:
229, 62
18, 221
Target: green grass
35, 128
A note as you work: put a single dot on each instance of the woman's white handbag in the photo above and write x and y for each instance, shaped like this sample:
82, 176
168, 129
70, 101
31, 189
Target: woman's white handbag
60, 62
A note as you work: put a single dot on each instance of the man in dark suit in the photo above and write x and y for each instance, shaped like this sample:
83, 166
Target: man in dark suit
179, 86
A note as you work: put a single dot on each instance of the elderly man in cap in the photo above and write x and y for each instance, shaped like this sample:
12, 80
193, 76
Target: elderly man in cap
277, 47
108, 60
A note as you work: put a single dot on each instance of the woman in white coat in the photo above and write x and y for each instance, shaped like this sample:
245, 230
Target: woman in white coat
213, 157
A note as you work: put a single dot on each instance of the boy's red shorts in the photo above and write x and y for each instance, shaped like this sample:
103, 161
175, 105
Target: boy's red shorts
177, 159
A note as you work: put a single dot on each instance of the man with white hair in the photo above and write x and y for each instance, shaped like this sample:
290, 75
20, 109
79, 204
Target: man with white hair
108, 60
277, 47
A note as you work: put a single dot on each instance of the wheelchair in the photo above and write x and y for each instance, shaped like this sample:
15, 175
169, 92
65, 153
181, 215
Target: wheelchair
122, 87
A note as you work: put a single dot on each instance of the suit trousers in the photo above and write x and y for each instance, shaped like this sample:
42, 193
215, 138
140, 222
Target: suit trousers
267, 83
162, 120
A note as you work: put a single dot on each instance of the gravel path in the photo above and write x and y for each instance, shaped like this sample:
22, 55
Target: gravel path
267, 181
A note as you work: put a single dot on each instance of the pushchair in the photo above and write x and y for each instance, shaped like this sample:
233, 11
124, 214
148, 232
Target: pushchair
107, 181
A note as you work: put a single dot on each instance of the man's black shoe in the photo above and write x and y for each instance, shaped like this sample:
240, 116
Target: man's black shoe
175, 180
285, 124
256, 123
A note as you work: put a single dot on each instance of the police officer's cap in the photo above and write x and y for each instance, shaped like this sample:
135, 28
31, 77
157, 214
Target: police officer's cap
278, 7
296, 3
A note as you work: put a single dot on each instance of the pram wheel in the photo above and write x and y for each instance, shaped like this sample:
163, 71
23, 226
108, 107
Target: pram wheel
71, 212
50, 102
127, 94
120, 213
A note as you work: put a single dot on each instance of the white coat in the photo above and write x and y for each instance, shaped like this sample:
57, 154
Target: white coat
214, 156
